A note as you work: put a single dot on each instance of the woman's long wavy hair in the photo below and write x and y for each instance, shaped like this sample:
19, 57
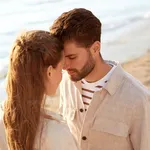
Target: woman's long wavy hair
31, 54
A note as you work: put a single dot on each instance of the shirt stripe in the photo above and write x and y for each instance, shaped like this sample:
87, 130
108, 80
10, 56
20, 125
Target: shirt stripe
87, 90
86, 103
98, 86
86, 96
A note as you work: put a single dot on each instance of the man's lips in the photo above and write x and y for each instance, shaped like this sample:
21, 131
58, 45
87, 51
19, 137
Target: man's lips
71, 72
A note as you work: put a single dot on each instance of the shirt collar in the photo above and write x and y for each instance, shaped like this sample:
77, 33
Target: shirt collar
115, 80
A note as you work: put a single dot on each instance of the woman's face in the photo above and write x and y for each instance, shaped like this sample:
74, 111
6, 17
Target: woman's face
54, 77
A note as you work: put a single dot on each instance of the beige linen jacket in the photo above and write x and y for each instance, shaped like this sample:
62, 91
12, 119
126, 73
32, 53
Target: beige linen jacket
118, 117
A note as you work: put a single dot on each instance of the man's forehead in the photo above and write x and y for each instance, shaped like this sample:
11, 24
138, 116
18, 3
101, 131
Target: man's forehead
71, 51
72, 45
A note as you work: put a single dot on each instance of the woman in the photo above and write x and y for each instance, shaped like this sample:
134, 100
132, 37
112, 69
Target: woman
35, 68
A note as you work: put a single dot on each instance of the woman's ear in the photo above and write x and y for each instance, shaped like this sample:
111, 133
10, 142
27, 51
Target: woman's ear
48, 82
49, 73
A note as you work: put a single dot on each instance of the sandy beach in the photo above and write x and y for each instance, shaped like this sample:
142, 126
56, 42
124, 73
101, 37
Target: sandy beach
140, 68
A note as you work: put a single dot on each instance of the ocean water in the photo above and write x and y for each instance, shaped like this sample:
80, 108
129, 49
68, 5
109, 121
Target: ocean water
121, 21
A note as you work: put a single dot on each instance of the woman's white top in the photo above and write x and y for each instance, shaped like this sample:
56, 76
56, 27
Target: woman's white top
55, 134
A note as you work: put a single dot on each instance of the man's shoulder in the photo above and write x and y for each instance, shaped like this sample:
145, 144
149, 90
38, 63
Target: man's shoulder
135, 85
135, 91
139, 97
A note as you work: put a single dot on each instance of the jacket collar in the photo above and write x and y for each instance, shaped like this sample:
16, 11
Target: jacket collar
116, 79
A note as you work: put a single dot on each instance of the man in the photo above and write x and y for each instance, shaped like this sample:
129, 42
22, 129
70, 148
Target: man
105, 107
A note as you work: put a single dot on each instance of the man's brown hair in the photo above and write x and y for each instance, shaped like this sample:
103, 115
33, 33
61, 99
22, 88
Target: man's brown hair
79, 25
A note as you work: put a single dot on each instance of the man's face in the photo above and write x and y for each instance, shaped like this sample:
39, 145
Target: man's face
78, 61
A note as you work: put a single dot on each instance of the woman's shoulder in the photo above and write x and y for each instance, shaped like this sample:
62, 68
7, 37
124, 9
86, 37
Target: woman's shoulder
56, 135
54, 127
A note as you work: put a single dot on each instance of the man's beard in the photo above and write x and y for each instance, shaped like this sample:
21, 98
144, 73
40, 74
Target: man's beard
86, 69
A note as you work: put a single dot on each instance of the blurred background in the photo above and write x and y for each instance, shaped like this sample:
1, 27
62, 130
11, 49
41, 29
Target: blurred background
125, 29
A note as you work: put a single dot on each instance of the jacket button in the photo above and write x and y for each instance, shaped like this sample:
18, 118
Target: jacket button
81, 110
84, 138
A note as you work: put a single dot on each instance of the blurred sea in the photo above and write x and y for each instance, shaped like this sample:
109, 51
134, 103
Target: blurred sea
125, 25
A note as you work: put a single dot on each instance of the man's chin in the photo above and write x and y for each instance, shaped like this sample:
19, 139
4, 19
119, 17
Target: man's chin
72, 78
75, 79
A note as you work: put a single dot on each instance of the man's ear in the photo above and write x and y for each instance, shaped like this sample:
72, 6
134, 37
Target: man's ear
95, 48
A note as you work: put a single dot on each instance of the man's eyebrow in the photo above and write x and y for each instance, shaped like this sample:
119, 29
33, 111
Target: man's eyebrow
69, 55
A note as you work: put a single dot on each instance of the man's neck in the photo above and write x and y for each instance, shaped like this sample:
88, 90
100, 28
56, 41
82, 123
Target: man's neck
100, 70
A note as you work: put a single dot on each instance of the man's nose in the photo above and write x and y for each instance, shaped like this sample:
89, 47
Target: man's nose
66, 65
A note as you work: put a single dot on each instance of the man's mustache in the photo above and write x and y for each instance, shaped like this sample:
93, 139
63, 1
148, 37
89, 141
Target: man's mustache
73, 70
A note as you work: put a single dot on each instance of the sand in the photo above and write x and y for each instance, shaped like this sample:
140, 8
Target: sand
140, 68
